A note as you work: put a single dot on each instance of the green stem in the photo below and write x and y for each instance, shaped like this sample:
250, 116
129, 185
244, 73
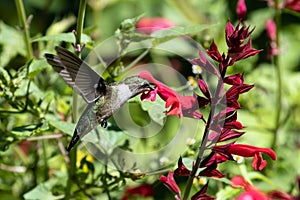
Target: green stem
278, 75
80, 21
203, 145
25, 27
133, 63
46, 168
73, 153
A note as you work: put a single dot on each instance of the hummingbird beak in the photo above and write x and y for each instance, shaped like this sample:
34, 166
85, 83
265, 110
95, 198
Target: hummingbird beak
150, 88
146, 87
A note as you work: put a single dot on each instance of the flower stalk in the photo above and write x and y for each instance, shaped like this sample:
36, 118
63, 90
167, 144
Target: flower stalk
222, 124
25, 27
202, 147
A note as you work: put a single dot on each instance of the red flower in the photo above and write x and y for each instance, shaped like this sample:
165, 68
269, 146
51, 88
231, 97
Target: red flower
181, 170
204, 63
233, 93
150, 25
170, 183
235, 79
251, 192
280, 195
144, 190
211, 171
179, 105
211, 158
241, 10
201, 195
235, 38
246, 151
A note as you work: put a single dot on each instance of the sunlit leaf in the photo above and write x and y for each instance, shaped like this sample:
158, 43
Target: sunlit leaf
61, 26
156, 110
11, 42
65, 127
63, 37
43, 191
36, 67
165, 35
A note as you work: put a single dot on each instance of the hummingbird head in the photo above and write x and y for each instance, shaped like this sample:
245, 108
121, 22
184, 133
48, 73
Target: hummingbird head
137, 85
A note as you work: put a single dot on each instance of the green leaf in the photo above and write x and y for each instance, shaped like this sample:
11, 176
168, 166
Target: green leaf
165, 35
65, 127
43, 191
227, 193
36, 67
11, 43
61, 26
25, 130
156, 110
4, 76
65, 37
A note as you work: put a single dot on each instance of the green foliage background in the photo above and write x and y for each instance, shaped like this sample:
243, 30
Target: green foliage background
35, 115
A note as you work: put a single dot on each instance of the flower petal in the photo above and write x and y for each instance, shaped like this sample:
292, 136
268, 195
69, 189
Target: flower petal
170, 183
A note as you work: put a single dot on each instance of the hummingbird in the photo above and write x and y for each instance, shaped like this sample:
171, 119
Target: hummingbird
103, 99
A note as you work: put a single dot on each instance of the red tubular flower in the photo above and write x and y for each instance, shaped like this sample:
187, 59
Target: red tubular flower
235, 79
205, 64
150, 25
232, 94
144, 190
235, 38
181, 170
241, 10
246, 151
211, 158
214, 53
251, 192
211, 171
204, 89
170, 183
228, 134
201, 195
179, 105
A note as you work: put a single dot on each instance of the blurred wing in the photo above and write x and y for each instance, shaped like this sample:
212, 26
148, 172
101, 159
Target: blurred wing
77, 74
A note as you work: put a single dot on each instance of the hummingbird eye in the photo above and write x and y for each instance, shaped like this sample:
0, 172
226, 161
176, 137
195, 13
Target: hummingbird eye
147, 86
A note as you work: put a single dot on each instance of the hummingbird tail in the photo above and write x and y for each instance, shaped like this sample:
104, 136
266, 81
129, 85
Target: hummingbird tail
74, 140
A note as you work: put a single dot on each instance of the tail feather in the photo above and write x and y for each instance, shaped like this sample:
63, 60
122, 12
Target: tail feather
73, 141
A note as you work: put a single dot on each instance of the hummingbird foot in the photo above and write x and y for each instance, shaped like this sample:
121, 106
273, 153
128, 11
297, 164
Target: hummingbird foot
103, 123
74, 140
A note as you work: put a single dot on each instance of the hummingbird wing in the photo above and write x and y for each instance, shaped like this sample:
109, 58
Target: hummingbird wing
77, 74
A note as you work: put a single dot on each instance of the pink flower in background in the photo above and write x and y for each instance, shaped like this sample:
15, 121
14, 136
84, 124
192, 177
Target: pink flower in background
241, 10
293, 5
290, 4
271, 33
251, 192
150, 25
